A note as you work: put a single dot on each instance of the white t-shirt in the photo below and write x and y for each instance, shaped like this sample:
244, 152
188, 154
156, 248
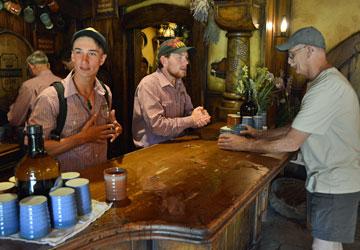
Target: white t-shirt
330, 113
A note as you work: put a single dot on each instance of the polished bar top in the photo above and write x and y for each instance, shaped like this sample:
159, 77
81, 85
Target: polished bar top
185, 189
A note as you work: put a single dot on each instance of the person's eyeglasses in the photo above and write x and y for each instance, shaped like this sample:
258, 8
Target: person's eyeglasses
293, 53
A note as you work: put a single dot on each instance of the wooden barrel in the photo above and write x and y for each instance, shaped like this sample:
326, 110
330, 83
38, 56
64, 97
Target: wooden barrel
14, 49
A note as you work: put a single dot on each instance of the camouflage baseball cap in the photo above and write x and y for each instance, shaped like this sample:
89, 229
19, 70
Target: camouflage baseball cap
307, 36
174, 45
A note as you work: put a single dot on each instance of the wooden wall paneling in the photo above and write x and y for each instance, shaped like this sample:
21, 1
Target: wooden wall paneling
275, 61
213, 101
269, 35
78, 9
129, 2
9, 86
16, 24
155, 14
275, 10
130, 55
137, 40
198, 66
177, 245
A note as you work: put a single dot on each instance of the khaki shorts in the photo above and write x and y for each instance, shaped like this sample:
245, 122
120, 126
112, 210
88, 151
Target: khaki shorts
333, 216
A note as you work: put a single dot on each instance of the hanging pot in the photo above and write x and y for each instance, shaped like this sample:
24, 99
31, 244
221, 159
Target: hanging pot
45, 19
29, 15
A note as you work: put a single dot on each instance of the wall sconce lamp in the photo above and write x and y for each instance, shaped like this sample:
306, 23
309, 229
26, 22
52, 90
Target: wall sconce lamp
284, 25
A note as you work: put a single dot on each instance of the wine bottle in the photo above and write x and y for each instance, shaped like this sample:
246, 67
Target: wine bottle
37, 173
248, 107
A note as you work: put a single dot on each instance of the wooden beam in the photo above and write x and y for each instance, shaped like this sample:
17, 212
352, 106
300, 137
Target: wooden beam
154, 14
128, 2
77, 9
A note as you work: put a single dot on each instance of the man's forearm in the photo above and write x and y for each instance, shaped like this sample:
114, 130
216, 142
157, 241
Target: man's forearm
287, 142
55, 148
273, 133
170, 126
271, 146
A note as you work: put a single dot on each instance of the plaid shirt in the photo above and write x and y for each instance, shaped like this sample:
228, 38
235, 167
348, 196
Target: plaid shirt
161, 111
29, 90
46, 109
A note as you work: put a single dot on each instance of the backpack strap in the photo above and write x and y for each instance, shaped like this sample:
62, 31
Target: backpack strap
106, 92
60, 120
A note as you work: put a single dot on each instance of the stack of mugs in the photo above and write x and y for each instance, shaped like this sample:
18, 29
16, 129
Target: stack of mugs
235, 123
9, 221
83, 200
63, 204
33, 216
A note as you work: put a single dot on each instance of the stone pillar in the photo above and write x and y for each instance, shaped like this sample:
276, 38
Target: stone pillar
237, 17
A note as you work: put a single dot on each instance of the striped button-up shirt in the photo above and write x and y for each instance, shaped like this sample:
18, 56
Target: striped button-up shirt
29, 90
161, 110
46, 110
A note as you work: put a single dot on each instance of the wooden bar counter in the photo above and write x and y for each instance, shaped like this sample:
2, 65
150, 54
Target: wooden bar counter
186, 194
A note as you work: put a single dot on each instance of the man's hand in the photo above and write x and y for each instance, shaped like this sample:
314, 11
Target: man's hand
93, 133
118, 129
200, 116
250, 131
233, 142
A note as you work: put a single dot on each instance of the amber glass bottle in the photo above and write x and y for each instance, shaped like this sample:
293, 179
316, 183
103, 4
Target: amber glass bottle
248, 107
37, 173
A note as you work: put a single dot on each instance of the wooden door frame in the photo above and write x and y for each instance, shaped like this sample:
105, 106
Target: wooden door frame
150, 16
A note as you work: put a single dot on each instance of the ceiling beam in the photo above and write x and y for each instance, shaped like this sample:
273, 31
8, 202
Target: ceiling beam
79, 9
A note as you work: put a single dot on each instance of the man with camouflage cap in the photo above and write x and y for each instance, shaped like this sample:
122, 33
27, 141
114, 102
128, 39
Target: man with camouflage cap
162, 107
327, 130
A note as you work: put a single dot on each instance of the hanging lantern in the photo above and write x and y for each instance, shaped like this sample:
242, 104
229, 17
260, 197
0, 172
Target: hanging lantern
12, 7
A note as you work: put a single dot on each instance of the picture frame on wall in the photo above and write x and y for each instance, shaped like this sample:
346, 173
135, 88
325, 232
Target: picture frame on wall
105, 9
45, 42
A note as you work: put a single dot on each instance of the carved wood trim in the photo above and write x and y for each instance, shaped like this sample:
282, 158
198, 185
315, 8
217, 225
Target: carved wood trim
156, 14
345, 50
346, 57
129, 2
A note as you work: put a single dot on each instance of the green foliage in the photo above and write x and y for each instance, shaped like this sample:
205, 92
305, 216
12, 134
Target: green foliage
261, 85
243, 83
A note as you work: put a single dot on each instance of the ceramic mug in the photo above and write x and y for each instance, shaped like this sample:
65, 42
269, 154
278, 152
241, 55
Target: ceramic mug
115, 183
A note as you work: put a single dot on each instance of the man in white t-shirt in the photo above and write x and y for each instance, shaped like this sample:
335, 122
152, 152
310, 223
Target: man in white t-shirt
327, 130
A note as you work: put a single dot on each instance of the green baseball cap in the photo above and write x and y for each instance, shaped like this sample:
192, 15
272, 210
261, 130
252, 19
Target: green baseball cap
307, 35
174, 45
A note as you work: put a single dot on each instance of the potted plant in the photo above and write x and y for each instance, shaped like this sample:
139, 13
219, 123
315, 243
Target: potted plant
261, 86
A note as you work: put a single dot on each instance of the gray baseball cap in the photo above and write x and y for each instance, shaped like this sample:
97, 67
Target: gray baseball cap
94, 34
307, 35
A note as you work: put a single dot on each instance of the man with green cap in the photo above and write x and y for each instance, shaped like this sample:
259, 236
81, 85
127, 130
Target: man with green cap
89, 120
162, 107
327, 130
